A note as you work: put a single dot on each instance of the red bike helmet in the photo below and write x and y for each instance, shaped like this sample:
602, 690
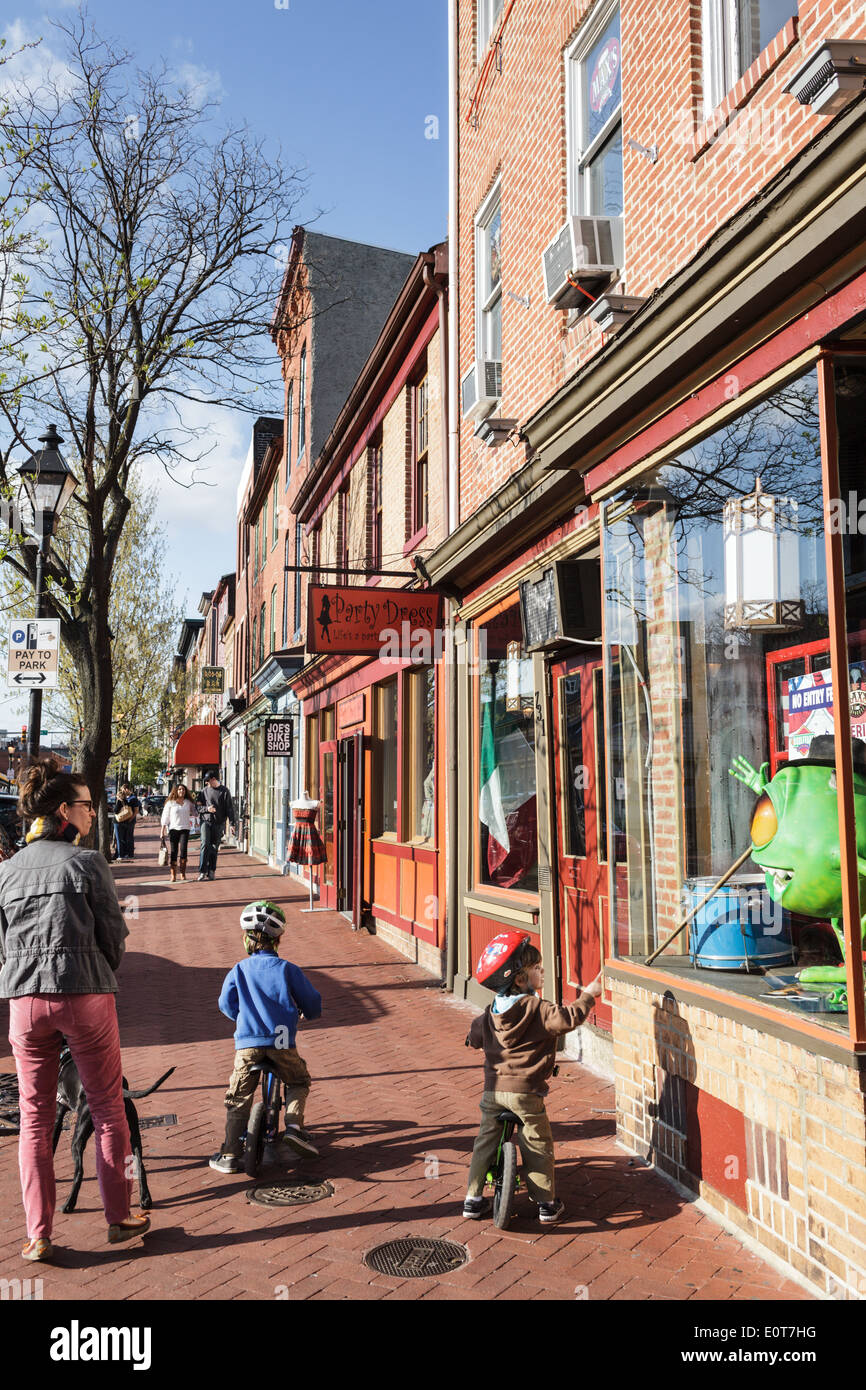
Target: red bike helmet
500, 960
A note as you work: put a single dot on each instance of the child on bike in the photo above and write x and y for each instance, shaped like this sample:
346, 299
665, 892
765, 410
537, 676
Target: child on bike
265, 996
518, 1033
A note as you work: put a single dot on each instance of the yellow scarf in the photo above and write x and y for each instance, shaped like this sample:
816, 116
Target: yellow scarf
44, 826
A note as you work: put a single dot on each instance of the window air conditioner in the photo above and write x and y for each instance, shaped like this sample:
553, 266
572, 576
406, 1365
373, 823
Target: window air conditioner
580, 257
480, 389
562, 601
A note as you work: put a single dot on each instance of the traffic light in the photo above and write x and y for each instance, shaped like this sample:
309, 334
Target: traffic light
23, 733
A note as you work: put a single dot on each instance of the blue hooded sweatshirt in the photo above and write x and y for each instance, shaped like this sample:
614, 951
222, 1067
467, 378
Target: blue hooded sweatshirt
264, 993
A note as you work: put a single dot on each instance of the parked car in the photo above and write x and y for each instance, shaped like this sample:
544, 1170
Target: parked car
154, 805
10, 824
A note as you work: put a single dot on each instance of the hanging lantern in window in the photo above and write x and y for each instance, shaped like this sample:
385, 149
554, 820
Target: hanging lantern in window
762, 563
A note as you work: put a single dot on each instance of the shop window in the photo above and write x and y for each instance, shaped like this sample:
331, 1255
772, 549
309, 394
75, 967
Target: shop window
505, 765
594, 85
388, 752
328, 724
715, 587
488, 279
421, 746
312, 757
734, 33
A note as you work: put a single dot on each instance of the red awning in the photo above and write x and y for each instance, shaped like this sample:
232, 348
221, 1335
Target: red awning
198, 746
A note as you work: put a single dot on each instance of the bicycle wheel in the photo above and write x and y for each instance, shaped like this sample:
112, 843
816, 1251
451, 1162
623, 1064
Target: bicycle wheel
504, 1188
255, 1141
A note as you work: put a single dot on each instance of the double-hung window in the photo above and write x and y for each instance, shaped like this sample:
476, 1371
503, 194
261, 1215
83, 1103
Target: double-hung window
374, 494
489, 12
420, 453
302, 403
734, 33
276, 516
262, 635
290, 410
594, 87
298, 550
258, 536
488, 282
274, 618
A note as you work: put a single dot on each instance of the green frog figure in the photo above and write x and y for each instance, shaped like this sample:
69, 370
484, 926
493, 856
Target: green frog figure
795, 838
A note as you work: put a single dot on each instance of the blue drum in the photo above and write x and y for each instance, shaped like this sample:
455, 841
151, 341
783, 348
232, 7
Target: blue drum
740, 927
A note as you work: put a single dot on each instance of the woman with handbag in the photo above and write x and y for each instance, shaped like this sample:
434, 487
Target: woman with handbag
177, 820
62, 937
125, 815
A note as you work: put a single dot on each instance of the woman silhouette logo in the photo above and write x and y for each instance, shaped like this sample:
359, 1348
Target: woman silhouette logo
324, 618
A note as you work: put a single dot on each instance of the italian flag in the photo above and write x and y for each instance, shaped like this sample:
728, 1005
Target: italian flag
490, 804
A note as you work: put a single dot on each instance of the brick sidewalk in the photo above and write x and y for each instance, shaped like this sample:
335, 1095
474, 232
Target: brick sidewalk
394, 1109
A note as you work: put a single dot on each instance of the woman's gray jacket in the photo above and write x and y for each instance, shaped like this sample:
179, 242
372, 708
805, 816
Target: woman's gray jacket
61, 927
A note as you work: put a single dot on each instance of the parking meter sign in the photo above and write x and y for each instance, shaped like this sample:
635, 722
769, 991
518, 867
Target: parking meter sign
34, 650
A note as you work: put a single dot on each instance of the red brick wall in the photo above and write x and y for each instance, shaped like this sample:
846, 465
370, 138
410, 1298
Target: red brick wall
672, 207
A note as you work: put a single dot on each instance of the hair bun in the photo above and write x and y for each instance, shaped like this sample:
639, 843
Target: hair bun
44, 786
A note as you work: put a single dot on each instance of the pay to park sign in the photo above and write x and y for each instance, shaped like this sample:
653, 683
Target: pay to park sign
34, 646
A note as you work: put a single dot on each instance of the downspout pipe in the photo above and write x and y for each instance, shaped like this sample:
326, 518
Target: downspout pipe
452, 513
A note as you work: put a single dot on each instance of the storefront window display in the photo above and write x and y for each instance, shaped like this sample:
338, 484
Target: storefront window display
386, 728
506, 777
717, 657
421, 753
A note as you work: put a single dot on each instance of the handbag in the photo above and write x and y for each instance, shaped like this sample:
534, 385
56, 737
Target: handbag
163, 855
124, 814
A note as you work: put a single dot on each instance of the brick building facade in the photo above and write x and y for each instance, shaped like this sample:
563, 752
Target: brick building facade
660, 298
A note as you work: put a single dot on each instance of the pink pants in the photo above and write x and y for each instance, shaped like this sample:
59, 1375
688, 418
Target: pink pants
37, 1025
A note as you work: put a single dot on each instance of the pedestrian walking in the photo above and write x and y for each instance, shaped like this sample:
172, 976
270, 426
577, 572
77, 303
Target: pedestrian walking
265, 997
518, 1033
216, 810
177, 819
57, 969
126, 813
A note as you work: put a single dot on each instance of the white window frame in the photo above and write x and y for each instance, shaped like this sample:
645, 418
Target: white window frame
488, 13
720, 34
484, 304
578, 158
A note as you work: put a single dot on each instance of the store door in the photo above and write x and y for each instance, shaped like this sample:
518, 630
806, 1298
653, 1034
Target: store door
346, 826
328, 781
581, 828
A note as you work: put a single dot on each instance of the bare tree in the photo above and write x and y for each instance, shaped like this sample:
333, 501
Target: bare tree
152, 266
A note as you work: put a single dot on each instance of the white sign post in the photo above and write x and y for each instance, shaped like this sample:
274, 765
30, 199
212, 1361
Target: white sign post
34, 650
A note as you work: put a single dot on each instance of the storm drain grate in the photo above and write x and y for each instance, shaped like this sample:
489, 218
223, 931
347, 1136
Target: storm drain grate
417, 1257
144, 1121
289, 1194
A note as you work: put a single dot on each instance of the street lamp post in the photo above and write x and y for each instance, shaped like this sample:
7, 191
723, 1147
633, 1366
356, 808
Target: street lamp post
49, 484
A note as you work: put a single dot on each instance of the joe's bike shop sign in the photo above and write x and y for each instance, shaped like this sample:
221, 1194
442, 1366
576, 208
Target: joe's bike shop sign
360, 622
279, 738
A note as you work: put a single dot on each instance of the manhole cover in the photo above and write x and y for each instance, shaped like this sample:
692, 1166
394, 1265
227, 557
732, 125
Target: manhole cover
289, 1194
416, 1257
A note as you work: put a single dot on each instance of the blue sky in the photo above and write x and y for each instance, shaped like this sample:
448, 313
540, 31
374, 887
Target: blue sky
344, 89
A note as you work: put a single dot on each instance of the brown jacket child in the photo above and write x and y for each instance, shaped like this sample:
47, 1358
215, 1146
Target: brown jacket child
518, 1034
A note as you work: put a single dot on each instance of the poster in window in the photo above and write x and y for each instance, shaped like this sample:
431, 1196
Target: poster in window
807, 708
603, 85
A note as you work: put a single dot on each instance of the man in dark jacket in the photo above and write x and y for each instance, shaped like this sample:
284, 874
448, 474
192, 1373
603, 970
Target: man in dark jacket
217, 809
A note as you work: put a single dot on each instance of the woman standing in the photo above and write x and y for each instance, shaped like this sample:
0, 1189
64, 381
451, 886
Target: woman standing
177, 820
61, 939
125, 815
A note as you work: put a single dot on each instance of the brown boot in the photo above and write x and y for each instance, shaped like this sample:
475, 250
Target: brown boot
173, 874
182, 867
